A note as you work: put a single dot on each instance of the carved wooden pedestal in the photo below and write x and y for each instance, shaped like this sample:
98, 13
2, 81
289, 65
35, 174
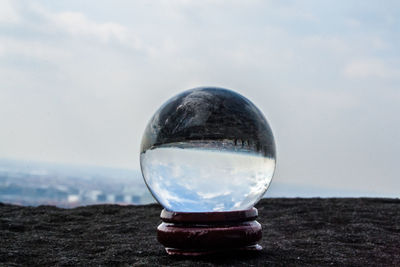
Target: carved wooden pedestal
202, 233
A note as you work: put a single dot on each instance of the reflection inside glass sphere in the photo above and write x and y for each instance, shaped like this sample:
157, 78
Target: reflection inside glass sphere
208, 149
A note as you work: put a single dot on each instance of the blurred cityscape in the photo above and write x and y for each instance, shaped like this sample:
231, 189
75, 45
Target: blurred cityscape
36, 183
68, 186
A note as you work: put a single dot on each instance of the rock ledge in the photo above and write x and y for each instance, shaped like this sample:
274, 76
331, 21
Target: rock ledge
358, 231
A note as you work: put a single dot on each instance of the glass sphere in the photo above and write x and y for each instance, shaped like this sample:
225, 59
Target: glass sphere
208, 149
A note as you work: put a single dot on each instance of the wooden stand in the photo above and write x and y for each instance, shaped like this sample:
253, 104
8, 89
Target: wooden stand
202, 233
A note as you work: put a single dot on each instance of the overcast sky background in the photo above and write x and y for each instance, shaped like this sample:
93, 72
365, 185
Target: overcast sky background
79, 80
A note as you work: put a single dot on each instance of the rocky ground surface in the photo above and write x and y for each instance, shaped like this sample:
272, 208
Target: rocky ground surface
296, 232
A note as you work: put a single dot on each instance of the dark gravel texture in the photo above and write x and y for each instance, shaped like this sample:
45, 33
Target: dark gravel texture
296, 232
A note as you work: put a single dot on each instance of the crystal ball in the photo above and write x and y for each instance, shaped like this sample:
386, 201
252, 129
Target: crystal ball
207, 149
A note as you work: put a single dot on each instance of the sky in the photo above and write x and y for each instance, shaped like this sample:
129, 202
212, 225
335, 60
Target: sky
79, 80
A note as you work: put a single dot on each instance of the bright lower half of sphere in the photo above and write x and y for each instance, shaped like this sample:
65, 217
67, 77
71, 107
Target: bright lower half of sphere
201, 179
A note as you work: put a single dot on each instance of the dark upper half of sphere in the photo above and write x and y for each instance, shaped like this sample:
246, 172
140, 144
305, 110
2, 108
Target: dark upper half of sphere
210, 114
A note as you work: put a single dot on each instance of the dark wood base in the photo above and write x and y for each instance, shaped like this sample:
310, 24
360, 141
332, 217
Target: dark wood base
196, 234
198, 252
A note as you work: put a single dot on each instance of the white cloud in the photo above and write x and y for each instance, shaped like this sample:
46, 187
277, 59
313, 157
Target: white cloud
332, 43
352, 22
32, 49
8, 13
379, 44
78, 24
367, 68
